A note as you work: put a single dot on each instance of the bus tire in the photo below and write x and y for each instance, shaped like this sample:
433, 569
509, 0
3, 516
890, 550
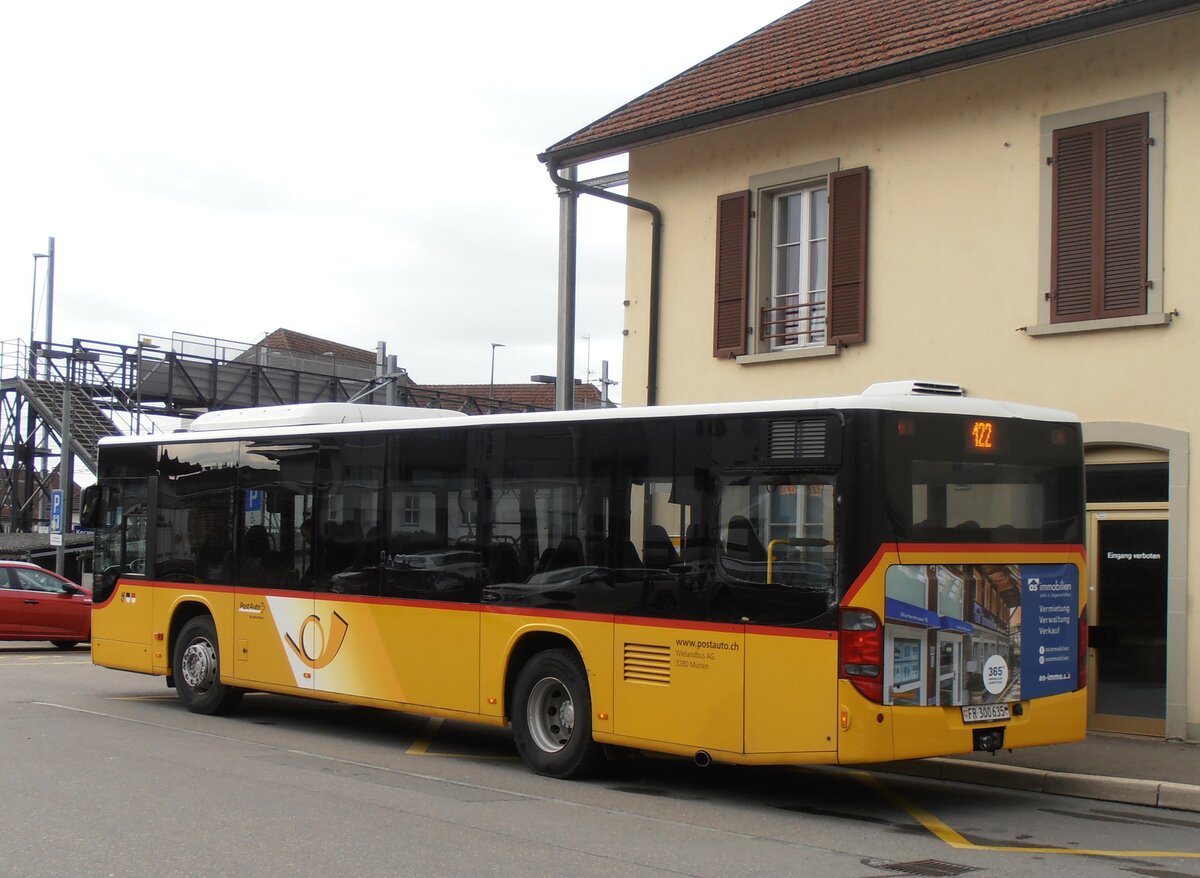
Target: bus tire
552, 716
196, 668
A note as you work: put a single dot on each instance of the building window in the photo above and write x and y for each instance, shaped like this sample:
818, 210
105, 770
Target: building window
793, 314
1098, 253
1102, 199
411, 515
791, 264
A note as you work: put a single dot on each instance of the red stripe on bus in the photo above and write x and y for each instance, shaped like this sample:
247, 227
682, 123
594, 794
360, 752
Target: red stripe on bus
867, 573
773, 631
990, 548
691, 625
546, 614
900, 549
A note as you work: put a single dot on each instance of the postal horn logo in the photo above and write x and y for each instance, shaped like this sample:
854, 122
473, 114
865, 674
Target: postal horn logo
315, 649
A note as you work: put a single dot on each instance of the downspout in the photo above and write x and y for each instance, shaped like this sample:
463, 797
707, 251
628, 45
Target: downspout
552, 165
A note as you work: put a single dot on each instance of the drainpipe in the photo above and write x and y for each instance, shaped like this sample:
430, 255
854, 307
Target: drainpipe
552, 166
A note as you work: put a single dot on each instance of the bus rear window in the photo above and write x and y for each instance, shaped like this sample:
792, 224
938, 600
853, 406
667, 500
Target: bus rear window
940, 488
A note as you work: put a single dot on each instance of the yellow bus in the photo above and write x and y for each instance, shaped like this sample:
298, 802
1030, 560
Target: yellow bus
848, 580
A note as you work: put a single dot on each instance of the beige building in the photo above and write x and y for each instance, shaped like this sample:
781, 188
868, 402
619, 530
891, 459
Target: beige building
997, 194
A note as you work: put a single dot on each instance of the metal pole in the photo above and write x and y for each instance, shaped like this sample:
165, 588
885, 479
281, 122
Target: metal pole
66, 475
33, 317
137, 407
49, 344
381, 370
392, 368
564, 386
49, 302
492, 379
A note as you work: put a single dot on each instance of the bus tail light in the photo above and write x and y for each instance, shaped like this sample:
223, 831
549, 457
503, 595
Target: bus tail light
860, 648
1083, 648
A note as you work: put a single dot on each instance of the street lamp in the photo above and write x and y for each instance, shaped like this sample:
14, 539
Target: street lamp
33, 315
492, 380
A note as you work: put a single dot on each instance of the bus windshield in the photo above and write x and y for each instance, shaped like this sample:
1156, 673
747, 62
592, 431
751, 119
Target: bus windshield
949, 482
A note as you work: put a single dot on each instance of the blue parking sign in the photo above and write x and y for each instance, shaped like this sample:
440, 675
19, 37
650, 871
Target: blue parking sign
56, 511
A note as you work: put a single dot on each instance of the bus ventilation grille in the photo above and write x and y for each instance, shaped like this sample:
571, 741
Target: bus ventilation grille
797, 440
927, 388
914, 388
647, 663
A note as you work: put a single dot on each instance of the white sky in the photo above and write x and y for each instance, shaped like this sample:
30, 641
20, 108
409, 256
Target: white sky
360, 171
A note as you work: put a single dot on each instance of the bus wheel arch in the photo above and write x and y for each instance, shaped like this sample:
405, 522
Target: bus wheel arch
196, 668
549, 704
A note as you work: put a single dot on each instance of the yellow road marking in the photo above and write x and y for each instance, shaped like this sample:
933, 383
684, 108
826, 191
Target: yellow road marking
954, 839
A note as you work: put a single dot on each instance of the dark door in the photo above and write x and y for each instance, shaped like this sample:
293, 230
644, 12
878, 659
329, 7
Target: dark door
1127, 636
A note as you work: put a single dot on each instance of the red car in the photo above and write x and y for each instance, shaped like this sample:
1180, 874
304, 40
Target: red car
37, 604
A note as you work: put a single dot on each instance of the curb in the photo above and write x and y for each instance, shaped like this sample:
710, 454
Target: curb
1125, 790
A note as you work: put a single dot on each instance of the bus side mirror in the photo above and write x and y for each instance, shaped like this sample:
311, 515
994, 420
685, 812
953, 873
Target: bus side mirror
89, 506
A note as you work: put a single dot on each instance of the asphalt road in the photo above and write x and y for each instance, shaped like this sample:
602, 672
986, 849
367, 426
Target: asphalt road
105, 773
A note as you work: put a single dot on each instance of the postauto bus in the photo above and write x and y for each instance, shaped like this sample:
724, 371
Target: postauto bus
848, 580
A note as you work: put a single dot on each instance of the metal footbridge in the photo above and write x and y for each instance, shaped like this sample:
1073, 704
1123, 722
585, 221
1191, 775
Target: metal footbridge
118, 389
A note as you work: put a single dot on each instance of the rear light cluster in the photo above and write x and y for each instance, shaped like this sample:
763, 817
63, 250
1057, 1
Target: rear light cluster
860, 652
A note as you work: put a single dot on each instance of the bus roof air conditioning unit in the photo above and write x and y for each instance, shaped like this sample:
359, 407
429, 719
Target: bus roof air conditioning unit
914, 388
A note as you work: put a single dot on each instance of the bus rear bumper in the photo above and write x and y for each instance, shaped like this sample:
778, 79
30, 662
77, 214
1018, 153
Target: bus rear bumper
940, 731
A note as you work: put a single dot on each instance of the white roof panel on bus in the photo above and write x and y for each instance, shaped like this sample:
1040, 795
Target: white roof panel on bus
299, 420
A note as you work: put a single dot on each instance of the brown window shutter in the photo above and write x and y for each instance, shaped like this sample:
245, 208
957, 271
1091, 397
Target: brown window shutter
846, 322
733, 274
1073, 228
1099, 218
1126, 181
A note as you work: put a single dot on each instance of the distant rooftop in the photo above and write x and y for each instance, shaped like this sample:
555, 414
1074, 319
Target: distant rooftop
299, 344
536, 395
532, 395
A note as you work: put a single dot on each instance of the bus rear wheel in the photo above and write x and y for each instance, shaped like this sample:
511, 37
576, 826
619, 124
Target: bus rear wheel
197, 670
552, 716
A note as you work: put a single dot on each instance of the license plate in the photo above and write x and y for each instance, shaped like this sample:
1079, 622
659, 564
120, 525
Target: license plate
985, 713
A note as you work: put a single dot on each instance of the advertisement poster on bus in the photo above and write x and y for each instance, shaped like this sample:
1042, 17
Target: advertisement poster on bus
991, 633
1050, 633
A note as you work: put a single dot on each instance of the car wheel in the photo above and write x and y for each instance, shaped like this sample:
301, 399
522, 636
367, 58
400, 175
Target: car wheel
65, 644
552, 716
195, 664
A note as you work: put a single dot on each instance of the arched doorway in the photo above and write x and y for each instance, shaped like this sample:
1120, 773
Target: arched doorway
1137, 566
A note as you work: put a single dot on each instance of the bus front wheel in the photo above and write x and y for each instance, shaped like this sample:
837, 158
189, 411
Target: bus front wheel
552, 716
197, 670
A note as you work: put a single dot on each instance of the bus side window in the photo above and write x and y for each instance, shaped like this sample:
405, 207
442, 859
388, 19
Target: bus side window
777, 547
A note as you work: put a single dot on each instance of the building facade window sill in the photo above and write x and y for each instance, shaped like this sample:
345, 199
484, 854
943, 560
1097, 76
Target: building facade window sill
1163, 319
792, 354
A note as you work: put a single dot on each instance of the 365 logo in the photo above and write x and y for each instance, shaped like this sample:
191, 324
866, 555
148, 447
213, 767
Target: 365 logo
315, 649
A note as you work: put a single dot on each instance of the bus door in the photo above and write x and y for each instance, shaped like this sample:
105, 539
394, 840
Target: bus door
278, 637
122, 618
776, 557
678, 655
419, 644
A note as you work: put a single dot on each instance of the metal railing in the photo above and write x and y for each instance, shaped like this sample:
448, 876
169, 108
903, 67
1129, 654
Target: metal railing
796, 324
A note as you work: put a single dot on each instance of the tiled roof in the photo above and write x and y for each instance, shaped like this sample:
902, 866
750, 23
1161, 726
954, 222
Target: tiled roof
309, 345
829, 47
